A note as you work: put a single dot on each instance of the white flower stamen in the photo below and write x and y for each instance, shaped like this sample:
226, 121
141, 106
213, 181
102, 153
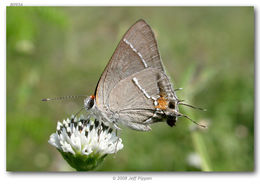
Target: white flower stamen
84, 136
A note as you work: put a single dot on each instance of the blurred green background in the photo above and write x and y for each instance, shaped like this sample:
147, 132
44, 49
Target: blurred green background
208, 51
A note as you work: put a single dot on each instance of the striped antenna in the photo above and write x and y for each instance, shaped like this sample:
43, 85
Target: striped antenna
64, 97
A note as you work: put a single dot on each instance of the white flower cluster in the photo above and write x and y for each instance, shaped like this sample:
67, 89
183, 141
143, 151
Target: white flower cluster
85, 136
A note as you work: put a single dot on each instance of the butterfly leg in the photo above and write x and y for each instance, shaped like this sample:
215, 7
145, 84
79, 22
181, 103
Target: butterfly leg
116, 127
78, 113
116, 143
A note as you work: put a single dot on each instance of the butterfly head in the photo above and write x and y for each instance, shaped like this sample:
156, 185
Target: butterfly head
89, 102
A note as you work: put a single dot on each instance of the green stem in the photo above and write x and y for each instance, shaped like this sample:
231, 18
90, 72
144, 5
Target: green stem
197, 138
201, 149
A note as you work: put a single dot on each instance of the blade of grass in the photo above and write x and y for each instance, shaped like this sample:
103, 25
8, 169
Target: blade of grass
201, 149
197, 138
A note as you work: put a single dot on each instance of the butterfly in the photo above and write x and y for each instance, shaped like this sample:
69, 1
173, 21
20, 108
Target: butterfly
134, 89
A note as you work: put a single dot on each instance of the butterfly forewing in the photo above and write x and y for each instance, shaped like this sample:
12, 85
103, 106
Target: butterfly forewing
136, 51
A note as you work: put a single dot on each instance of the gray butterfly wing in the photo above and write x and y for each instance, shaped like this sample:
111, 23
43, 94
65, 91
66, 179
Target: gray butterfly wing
136, 51
135, 98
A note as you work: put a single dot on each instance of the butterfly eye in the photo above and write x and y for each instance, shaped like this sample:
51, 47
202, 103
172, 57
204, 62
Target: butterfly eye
89, 102
171, 105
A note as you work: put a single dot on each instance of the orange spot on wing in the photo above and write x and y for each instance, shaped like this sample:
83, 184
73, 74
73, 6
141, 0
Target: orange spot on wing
162, 103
